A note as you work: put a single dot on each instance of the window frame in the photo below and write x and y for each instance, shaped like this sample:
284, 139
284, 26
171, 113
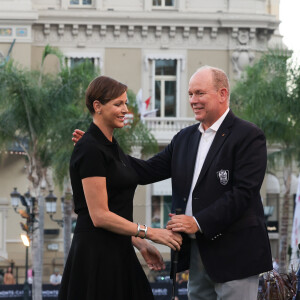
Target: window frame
180, 66
163, 79
163, 5
80, 4
98, 60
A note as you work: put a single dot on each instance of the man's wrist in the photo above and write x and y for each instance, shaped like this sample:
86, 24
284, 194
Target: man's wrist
197, 225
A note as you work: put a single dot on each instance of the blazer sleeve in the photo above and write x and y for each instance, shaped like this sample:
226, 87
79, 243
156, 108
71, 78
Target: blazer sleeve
156, 168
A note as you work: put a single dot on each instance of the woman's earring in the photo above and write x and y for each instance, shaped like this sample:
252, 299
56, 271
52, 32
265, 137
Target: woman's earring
99, 112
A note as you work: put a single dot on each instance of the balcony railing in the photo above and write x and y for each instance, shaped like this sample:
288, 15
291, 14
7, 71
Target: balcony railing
165, 128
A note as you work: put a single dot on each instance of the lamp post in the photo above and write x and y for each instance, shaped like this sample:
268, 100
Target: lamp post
29, 203
26, 288
51, 208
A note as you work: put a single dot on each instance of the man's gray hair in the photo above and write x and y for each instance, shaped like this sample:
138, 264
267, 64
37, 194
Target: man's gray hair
220, 78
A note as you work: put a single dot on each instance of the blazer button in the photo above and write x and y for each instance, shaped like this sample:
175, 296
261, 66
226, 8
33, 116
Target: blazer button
184, 199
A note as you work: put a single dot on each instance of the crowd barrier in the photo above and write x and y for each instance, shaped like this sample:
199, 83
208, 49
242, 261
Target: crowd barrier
161, 291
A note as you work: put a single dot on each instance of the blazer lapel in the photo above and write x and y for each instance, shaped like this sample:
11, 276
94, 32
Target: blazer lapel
221, 135
192, 150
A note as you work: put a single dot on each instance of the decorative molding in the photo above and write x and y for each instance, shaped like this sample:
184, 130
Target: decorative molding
89, 30
234, 32
75, 30
252, 33
186, 32
61, 29
144, 31
46, 29
158, 31
157, 36
200, 32
214, 32
130, 31
117, 30
241, 58
102, 30
172, 31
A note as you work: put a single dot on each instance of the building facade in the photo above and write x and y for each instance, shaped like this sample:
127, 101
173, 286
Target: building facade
153, 46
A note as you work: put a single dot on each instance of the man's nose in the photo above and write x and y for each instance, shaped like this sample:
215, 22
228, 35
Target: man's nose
193, 99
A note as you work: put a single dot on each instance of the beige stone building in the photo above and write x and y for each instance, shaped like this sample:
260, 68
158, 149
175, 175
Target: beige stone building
151, 45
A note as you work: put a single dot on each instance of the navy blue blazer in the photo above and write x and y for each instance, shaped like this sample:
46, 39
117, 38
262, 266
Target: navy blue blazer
234, 242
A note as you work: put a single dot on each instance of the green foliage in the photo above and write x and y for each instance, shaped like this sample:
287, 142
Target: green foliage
23, 110
55, 51
268, 95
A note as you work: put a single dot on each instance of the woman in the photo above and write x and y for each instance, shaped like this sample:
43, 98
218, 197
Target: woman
102, 263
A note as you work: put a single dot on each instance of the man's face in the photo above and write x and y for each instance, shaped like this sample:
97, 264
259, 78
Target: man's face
207, 103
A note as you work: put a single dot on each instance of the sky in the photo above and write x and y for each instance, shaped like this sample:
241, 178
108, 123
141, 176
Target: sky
290, 24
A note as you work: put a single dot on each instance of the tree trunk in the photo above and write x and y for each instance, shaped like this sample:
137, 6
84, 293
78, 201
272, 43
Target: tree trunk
284, 224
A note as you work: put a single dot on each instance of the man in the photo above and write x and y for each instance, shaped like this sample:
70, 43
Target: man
55, 278
217, 169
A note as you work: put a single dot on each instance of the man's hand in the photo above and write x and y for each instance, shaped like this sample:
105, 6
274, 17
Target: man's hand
77, 135
182, 223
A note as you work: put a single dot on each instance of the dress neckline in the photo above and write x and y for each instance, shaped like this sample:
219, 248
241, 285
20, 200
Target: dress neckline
100, 136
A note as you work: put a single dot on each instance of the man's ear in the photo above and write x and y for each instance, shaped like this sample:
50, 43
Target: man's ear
224, 94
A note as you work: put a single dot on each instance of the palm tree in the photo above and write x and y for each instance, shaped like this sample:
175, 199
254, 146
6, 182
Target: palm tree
267, 96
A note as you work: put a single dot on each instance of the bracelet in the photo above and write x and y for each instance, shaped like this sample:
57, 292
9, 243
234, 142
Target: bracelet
144, 230
138, 229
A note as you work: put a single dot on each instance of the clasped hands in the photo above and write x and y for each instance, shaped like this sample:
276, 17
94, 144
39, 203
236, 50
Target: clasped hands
182, 223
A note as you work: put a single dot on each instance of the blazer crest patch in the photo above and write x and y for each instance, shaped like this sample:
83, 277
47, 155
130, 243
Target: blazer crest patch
223, 176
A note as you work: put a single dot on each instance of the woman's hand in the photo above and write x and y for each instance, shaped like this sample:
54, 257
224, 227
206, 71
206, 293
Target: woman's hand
77, 135
165, 237
150, 254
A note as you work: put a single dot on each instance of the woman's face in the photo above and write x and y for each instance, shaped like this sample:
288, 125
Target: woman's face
113, 112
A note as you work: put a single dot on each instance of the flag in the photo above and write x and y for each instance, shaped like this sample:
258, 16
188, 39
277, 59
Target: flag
295, 240
142, 105
147, 102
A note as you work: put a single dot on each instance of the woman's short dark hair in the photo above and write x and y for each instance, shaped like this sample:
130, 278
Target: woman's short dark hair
103, 89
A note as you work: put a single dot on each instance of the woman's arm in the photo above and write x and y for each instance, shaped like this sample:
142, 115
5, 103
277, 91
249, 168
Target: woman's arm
97, 202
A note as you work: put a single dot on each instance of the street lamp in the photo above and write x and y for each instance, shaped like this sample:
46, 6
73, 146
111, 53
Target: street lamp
26, 287
51, 208
29, 203
15, 198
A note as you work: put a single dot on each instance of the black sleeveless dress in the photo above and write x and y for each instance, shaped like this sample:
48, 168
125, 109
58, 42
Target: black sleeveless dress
102, 265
